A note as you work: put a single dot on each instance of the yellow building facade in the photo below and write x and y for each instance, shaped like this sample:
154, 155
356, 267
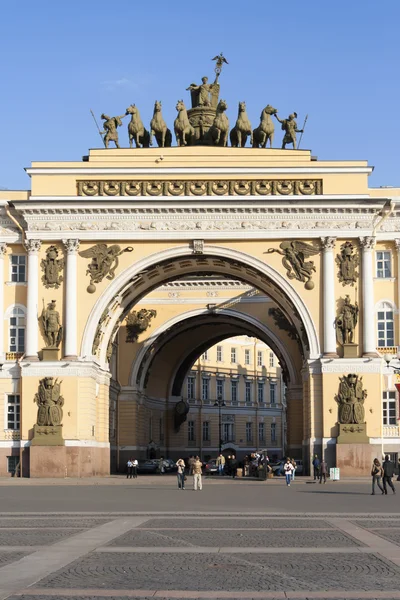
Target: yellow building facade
135, 230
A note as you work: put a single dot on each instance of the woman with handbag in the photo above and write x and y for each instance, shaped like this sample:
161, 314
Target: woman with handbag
180, 463
377, 474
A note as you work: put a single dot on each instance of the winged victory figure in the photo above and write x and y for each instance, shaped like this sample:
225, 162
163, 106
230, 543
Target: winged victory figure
104, 262
294, 260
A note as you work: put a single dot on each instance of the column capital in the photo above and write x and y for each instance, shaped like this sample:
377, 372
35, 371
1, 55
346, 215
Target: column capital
71, 246
3, 249
32, 246
328, 243
368, 243
397, 244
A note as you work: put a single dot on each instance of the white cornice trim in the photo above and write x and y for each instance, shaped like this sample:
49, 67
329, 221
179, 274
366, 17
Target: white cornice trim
113, 200
317, 168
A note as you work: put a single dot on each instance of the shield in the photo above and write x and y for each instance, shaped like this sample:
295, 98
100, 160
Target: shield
42, 416
55, 415
345, 414
359, 416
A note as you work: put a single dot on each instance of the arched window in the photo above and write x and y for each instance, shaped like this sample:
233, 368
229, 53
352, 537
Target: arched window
385, 325
16, 331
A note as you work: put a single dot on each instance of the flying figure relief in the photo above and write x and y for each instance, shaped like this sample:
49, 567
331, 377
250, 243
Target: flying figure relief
294, 260
104, 262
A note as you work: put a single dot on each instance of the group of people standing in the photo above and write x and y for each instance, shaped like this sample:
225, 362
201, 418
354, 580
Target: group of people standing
227, 466
132, 466
320, 469
195, 469
383, 473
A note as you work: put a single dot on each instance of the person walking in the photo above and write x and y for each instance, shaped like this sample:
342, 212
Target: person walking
323, 468
180, 463
294, 465
135, 465
316, 463
220, 462
398, 470
161, 468
234, 466
129, 466
388, 472
192, 460
197, 472
377, 474
288, 468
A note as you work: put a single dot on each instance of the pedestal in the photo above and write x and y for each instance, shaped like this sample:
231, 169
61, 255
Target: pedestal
47, 435
350, 350
353, 434
46, 461
49, 354
201, 119
354, 453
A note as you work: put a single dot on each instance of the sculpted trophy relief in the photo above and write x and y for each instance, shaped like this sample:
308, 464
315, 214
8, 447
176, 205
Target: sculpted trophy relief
204, 123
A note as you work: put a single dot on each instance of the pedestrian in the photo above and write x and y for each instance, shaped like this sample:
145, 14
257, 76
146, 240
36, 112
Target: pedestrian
234, 465
135, 465
294, 465
220, 462
398, 470
161, 468
129, 469
288, 468
388, 472
323, 468
197, 472
191, 462
316, 463
227, 468
377, 474
180, 463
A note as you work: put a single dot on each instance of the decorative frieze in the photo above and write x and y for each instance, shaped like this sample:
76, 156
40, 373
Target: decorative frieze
229, 187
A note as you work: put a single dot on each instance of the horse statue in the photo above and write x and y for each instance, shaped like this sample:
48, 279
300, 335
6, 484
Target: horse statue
136, 129
242, 129
184, 132
158, 127
217, 135
265, 130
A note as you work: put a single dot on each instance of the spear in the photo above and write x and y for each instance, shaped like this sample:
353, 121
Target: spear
304, 124
98, 128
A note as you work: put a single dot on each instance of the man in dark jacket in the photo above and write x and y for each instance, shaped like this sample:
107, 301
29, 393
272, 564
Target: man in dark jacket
388, 472
316, 464
233, 466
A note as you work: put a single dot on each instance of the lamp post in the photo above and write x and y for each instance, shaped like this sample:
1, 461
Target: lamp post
388, 358
220, 403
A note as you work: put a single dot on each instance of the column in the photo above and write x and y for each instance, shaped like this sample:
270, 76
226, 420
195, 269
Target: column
328, 290
3, 252
32, 326
367, 274
397, 244
71, 299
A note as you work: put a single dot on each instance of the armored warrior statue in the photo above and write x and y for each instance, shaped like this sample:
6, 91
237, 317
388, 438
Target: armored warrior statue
52, 329
346, 322
50, 402
351, 398
289, 126
110, 129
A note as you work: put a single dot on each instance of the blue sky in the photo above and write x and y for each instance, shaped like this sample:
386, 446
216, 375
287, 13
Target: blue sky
338, 61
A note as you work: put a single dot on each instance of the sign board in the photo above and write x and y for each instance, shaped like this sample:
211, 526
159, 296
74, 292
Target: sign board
334, 474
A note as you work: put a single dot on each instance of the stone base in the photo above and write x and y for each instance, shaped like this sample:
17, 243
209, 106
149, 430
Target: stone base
69, 461
50, 354
350, 350
47, 435
353, 434
201, 119
355, 460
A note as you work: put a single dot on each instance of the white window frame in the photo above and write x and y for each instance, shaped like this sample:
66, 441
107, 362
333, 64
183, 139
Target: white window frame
260, 358
233, 356
191, 431
272, 396
234, 386
380, 264
247, 357
273, 432
261, 431
220, 354
15, 405
385, 307
220, 388
205, 385
260, 392
205, 355
191, 383
10, 266
249, 432
389, 408
15, 311
247, 392
206, 430
271, 360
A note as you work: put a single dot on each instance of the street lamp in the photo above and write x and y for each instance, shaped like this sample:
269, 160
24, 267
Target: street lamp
388, 358
220, 403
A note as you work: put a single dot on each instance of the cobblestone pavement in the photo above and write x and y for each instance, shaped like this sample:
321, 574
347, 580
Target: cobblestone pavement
181, 552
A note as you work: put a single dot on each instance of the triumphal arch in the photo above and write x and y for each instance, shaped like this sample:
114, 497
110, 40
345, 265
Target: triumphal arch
98, 333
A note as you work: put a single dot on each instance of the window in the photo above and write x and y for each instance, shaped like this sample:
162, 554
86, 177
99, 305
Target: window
191, 437
220, 389
228, 432
13, 411
18, 268
271, 359
219, 354
205, 391
261, 432
247, 357
206, 431
272, 393
234, 392
385, 323
247, 390
205, 355
273, 432
191, 388
233, 355
260, 362
260, 392
161, 429
383, 265
389, 408
249, 432
12, 462
17, 331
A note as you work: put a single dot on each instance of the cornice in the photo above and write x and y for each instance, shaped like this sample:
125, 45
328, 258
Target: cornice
314, 169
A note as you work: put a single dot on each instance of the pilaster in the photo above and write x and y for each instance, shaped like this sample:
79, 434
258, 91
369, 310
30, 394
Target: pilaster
71, 309
32, 330
367, 274
3, 252
328, 245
